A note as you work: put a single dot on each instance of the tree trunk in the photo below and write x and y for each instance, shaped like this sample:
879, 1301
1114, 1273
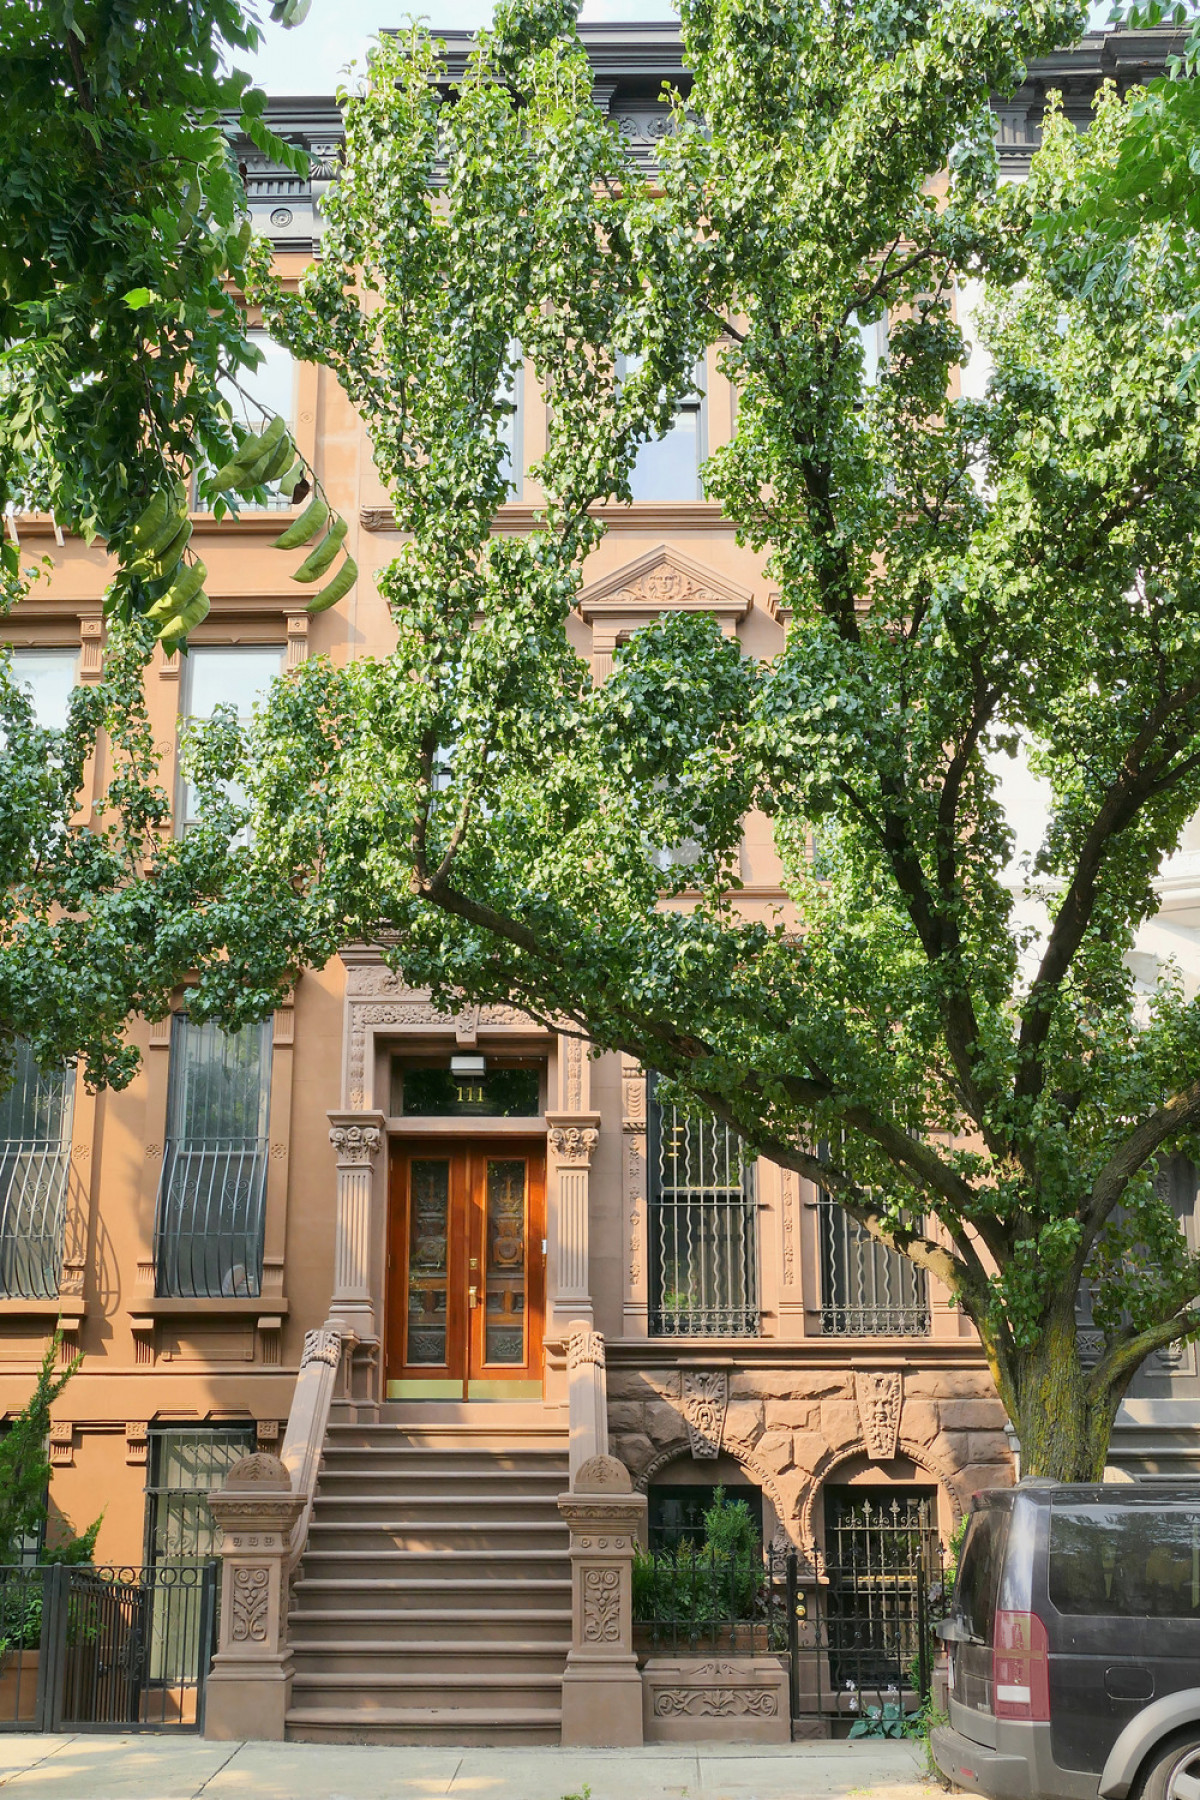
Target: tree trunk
1064, 1432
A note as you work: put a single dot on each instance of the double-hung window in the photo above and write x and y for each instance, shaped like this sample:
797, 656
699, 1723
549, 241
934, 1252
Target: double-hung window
208, 1238
35, 1150
270, 389
668, 468
225, 675
48, 676
703, 1228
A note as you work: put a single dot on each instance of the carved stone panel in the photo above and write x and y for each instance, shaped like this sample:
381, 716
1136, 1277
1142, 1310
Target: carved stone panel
879, 1394
251, 1605
705, 1403
602, 1606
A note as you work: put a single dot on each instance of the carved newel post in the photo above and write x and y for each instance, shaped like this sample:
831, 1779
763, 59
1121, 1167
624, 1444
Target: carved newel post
602, 1689
250, 1686
587, 1397
357, 1139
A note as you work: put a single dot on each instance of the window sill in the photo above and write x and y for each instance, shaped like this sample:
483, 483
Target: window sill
641, 515
65, 1306
239, 1306
263, 524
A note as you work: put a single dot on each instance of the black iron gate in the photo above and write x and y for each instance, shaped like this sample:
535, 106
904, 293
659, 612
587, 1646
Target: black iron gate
855, 1622
101, 1649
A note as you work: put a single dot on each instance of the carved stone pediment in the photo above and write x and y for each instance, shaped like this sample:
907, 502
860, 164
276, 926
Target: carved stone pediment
664, 580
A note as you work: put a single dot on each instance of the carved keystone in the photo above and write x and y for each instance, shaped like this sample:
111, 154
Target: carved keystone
879, 1394
250, 1687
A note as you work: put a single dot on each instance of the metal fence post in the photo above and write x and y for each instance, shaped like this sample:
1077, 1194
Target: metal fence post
208, 1640
53, 1659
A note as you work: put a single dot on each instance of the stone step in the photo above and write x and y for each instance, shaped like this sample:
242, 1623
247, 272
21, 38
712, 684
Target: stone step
310, 1626
383, 1535
351, 1565
456, 1480
454, 1511
419, 1593
377, 1663
445, 1688
463, 1725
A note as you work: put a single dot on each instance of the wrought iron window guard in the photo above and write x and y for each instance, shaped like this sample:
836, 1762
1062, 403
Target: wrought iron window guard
703, 1230
208, 1238
867, 1289
33, 1206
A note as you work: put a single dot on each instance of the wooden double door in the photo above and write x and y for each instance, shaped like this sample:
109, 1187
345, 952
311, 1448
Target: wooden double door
467, 1270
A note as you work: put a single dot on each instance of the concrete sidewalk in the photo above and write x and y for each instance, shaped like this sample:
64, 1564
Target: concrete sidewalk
186, 1768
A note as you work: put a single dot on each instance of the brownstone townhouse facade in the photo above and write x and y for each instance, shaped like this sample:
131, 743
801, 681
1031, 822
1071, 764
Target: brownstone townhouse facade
473, 1203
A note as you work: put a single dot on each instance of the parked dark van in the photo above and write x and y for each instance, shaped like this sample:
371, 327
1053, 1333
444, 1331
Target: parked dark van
1073, 1640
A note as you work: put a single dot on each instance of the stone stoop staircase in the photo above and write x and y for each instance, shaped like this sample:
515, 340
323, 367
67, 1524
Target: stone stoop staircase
433, 1602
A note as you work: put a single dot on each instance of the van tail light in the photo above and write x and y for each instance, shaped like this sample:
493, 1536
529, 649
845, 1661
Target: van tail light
1021, 1668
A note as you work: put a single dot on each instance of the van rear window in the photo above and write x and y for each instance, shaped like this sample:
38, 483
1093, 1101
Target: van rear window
980, 1563
1125, 1561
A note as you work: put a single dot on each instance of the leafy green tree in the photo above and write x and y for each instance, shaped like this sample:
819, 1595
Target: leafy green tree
25, 1472
962, 1059
123, 233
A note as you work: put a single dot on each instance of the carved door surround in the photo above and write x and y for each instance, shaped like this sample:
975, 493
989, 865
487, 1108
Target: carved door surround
664, 580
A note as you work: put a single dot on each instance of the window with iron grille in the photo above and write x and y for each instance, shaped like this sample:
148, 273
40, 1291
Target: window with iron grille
185, 1463
703, 1228
35, 1151
212, 1192
867, 1289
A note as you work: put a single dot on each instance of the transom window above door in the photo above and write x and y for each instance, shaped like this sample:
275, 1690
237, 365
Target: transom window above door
468, 1086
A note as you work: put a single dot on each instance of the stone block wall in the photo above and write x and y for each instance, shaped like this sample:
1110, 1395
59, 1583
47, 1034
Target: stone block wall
791, 1429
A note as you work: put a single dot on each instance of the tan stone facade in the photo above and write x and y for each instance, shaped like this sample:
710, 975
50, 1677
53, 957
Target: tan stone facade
814, 1389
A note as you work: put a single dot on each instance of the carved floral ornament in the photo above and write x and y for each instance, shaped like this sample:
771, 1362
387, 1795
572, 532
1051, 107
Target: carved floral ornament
602, 1606
251, 1605
573, 1143
356, 1144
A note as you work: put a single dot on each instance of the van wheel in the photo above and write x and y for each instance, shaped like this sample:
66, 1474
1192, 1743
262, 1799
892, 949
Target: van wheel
1174, 1771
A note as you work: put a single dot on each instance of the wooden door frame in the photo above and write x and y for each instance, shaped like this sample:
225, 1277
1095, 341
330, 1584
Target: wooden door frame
467, 1154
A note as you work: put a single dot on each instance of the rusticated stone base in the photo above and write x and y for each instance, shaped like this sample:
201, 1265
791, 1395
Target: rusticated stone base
791, 1429
737, 1700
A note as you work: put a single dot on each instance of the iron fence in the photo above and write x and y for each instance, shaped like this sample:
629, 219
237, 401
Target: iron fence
33, 1206
208, 1238
857, 1637
867, 1289
98, 1649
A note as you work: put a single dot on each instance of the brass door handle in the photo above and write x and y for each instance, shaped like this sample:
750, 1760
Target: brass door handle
472, 1295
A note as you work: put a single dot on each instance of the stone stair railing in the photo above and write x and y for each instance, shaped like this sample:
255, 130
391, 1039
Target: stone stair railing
602, 1689
263, 1511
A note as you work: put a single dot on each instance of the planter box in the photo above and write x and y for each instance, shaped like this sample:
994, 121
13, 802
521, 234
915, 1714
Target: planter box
18, 1686
697, 1700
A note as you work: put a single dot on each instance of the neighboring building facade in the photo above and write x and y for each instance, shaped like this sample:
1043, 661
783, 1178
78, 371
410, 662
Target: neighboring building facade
462, 1190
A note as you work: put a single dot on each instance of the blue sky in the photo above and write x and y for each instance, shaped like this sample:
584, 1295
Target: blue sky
309, 60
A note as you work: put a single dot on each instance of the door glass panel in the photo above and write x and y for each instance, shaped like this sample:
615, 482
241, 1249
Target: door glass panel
429, 1211
504, 1320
